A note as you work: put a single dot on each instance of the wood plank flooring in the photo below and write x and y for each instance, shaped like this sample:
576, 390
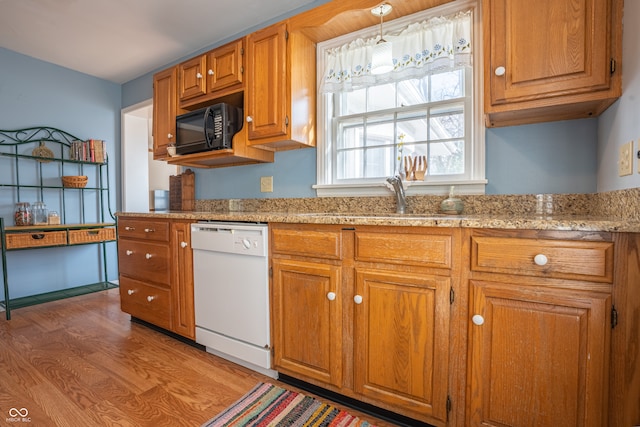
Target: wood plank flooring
81, 362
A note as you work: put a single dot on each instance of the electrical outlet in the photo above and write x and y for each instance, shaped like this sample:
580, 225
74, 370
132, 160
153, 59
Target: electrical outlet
625, 159
266, 184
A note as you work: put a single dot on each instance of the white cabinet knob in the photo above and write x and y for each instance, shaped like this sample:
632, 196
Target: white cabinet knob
249, 119
131, 292
148, 256
210, 72
500, 71
199, 75
331, 296
477, 319
149, 230
169, 135
129, 253
540, 259
130, 228
150, 298
357, 299
183, 244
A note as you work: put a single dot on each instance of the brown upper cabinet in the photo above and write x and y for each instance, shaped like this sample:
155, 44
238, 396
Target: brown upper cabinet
281, 73
164, 111
553, 61
211, 75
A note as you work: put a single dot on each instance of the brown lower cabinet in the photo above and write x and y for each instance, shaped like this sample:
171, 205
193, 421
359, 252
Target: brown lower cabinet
156, 272
365, 312
463, 327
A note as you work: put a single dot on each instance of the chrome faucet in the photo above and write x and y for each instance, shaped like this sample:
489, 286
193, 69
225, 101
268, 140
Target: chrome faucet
398, 189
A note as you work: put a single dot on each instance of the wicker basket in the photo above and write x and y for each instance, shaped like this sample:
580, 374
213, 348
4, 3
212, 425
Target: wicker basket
75, 181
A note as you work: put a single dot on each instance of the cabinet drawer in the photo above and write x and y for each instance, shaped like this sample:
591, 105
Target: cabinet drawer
36, 239
91, 235
308, 243
427, 250
144, 260
142, 229
146, 302
583, 260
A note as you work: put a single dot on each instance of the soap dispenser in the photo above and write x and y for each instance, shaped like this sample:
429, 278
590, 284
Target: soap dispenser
451, 205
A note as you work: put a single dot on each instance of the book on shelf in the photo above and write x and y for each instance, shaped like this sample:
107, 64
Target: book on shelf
91, 150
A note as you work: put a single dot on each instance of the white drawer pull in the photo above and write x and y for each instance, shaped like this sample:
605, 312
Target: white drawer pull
150, 298
183, 244
199, 75
210, 72
129, 252
131, 292
148, 256
130, 228
477, 320
540, 259
331, 296
500, 71
149, 230
357, 299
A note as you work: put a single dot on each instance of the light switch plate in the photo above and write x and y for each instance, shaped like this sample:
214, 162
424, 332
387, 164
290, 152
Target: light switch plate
266, 184
625, 159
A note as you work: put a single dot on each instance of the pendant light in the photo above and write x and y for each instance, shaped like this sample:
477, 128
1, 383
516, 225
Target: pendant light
381, 59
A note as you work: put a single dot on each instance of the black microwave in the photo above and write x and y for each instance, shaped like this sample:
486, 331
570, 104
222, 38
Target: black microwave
210, 128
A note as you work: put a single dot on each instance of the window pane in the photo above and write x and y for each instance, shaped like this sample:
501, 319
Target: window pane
379, 162
380, 134
350, 165
353, 102
413, 92
448, 85
381, 97
446, 158
413, 130
446, 126
350, 134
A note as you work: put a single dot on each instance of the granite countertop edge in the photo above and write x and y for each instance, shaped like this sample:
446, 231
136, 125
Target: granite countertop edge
514, 222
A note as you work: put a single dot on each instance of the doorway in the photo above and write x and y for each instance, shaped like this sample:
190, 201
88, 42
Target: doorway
141, 175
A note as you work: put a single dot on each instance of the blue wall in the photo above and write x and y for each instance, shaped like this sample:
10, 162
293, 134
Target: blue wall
37, 93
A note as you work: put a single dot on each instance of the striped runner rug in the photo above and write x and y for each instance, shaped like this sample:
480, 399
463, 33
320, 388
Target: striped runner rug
269, 405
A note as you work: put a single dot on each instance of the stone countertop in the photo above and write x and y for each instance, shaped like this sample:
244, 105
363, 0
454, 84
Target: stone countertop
531, 222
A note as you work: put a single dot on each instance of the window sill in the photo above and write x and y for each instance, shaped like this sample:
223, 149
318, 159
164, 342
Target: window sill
412, 188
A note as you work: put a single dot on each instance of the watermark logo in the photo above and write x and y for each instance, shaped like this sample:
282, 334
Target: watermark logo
18, 415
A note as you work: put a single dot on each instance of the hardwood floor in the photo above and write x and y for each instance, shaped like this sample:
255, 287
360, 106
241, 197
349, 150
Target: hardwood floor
82, 362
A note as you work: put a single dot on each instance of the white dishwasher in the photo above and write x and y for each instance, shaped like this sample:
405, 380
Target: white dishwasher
231, 290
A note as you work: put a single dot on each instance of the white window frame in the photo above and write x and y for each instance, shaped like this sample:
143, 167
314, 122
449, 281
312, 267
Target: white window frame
476, 182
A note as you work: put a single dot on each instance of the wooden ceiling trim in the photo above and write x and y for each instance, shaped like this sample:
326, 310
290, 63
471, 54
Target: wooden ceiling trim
339, 17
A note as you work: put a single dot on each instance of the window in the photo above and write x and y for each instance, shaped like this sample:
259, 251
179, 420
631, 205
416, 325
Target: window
427, 109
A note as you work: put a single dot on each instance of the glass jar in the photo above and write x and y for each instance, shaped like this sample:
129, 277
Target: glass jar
39, 213
22, 214
54, 218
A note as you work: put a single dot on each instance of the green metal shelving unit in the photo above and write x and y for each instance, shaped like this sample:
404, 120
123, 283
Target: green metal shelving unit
15, 145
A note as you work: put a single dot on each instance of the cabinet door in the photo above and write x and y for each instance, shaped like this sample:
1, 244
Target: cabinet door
191, 79
307, 319
225, 67
401, 340
538, 358
266, 97
547, 48
182, 280
164, 111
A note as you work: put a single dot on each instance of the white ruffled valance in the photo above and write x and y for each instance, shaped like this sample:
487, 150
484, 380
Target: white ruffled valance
433, 45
